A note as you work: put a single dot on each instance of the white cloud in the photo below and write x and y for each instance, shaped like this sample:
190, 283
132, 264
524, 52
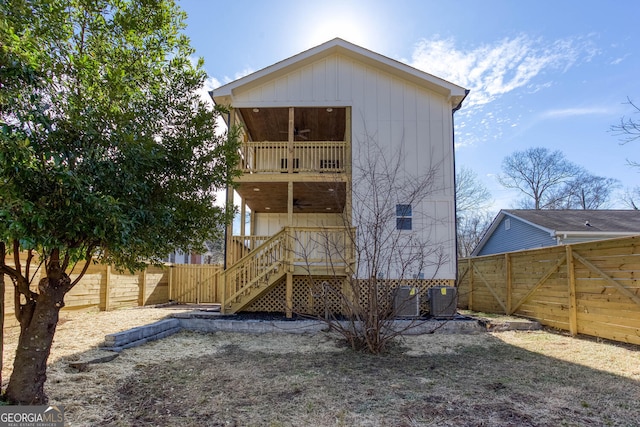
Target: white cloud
239, 75
572, 112
620, 59
494, 70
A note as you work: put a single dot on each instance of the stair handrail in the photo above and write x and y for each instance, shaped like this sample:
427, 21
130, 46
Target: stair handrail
264, 249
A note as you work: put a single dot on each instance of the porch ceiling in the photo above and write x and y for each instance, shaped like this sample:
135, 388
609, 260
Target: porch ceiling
311, 123
308, 197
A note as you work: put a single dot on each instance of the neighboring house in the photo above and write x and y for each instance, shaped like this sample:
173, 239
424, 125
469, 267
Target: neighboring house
213, 255
514, 230
179, 257
305, 121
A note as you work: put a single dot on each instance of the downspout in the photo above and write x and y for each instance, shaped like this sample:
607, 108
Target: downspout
455, 201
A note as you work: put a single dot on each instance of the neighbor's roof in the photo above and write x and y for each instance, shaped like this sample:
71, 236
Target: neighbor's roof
223, 94
575, 221
570, 222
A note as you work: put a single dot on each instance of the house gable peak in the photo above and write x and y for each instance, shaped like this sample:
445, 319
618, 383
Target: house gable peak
455, 93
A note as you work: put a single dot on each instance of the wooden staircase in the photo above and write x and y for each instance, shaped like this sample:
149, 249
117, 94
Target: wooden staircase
308, 251
255, 274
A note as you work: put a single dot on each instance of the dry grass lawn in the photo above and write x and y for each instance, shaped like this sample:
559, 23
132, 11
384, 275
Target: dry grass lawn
494, 379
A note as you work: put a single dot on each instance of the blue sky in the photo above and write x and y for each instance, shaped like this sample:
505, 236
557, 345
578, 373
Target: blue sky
552, 74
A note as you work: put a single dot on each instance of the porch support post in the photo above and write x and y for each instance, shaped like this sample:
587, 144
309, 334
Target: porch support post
252, 224
348, 170
290, 167
289, 295
290, 141
230, 256
290, 204
243, 215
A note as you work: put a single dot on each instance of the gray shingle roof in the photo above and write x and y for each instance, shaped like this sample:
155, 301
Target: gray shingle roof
575, 220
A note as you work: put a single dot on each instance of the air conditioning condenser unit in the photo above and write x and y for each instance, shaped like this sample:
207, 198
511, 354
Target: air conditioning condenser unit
443, 302
406, 302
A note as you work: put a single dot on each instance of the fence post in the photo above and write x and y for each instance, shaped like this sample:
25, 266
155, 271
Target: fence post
507, 267
107, 291
571, 278
470, 284
170, 281
196, 275
143, 288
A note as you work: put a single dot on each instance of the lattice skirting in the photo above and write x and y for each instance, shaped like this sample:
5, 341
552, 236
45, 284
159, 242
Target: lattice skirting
333, 295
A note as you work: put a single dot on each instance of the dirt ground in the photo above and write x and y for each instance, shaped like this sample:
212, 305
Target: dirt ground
536, 378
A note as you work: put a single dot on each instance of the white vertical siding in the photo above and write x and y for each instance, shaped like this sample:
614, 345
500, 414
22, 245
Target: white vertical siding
386, 110
268, 224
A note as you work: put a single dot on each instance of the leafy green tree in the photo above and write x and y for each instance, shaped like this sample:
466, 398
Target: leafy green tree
107, 152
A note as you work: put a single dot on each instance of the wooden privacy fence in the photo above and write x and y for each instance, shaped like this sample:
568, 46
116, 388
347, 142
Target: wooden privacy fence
590, 288
102, 288
198, 284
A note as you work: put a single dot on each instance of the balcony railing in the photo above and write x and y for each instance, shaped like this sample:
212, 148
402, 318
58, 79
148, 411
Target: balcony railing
310, 245
305, 156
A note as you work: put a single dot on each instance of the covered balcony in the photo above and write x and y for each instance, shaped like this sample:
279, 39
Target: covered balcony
295, 162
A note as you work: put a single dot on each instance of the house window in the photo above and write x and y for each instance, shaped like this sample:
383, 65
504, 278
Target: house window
403, 217
507, 224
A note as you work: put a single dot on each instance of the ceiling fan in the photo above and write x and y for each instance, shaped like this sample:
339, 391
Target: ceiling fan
298, 133
299, 204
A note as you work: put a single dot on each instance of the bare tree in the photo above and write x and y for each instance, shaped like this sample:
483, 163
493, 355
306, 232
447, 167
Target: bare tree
591, 192
387, 201
631, 198
471, 193
628, 129
539, 174
472, 200
471, 228
585, 191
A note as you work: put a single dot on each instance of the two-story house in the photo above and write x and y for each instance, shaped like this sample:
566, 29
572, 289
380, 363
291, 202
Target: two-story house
311, 125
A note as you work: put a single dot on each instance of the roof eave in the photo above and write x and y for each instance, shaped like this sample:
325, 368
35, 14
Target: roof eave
597, 233
454, 93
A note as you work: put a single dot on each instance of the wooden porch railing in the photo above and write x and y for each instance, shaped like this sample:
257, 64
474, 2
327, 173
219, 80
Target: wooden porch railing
307, 249
242, 245
306, 156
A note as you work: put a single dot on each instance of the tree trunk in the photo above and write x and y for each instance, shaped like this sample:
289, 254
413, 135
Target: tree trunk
3, 254
37, 326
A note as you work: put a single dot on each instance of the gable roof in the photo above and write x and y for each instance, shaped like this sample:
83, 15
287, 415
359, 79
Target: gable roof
575, 221
455, 93
571, 222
